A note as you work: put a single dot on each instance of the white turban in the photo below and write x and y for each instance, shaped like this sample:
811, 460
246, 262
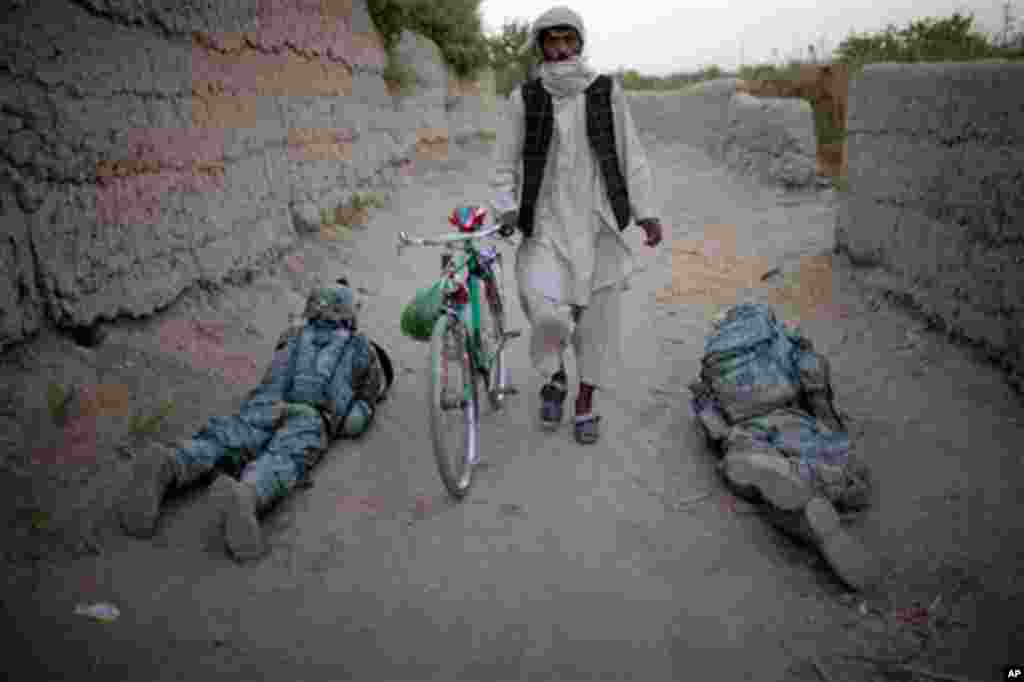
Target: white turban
557, 16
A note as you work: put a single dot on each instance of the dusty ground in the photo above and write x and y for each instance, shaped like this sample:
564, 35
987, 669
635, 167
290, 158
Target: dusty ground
565, 562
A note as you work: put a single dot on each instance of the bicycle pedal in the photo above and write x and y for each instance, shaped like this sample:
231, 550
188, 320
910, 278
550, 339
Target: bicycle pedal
508, 390
513, 334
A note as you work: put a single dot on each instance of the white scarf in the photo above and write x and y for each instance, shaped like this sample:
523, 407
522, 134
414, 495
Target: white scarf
566, 78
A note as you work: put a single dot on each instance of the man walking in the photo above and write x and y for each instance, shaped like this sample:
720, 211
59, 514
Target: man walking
584, 178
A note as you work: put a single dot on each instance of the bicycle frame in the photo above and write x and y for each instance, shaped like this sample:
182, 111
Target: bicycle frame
463, 302
476, 269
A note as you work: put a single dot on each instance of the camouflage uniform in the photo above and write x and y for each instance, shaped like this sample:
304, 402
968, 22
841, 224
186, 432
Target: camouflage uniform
324, 382
764, 400
323, 372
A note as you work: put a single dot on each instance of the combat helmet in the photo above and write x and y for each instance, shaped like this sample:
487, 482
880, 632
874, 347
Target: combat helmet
333, 303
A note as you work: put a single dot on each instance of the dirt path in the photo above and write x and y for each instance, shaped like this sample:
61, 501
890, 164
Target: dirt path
568, 562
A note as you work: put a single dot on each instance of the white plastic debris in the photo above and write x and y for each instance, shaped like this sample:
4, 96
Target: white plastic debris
106, 613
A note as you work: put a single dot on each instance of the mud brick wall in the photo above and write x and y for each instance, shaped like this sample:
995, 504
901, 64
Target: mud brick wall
698, 118
149, 145
826, 88
770, 137
936, 194
471, 105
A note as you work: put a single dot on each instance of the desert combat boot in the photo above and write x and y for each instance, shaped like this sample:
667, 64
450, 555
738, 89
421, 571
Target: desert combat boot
155, 470
771, 474
850, 560
236, 506
819, 524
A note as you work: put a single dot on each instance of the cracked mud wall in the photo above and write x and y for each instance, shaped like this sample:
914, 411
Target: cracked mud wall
698, 117
772, 138
150, 145
936, 195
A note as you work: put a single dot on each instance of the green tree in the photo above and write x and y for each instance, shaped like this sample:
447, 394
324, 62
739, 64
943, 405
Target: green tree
455, 25
944, 39
925, 40
504, 48
759, 72
510, 67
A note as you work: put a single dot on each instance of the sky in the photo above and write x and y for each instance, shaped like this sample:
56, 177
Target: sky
658, 37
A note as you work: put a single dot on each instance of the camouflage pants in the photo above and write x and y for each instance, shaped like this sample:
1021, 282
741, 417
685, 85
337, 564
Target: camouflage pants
822, 457
273, 461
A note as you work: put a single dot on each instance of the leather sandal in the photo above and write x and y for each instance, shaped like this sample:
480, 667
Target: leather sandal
587, 429
552, 396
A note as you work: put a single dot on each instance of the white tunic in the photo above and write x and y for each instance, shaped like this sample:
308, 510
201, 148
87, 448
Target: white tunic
576, 247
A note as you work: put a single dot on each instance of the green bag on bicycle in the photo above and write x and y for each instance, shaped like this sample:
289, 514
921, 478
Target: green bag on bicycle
420, 314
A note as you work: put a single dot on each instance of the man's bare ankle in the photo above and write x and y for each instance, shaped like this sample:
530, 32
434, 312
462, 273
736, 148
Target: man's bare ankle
584, 401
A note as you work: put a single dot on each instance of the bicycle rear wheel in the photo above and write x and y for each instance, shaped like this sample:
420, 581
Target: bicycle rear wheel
454, 405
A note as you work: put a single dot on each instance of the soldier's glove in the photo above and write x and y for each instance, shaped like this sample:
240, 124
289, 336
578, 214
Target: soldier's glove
283, 410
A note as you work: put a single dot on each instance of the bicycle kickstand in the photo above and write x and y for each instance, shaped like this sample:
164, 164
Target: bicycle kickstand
508, 336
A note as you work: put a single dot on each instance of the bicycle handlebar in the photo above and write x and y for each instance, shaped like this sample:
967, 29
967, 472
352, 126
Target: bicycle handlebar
404, 240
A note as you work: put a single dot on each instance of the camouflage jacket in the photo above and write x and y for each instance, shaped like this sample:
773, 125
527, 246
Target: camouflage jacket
353, 372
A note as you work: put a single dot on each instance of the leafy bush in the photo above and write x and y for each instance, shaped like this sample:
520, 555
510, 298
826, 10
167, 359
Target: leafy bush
389, 18
632, 80
361, 200
57, 399
336, 232
455, 26
927, 40
141, 426
510, 67
767, 72
403, 75
825, 130
712, 72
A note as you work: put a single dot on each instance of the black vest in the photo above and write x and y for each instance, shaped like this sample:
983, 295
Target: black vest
540, 121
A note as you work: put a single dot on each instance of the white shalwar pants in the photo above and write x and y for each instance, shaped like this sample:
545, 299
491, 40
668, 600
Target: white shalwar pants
595, 337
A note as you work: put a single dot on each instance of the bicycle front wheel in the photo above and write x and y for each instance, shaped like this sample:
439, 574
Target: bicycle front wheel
492, 332
454, 405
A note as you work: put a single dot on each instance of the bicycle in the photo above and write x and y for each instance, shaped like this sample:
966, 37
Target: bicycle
469, 339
